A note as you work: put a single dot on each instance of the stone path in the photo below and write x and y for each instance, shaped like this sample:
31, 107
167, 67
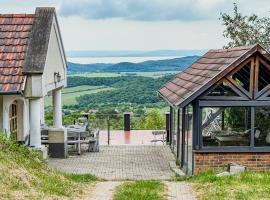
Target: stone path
121, 163
179, 191
104, 190
176, 191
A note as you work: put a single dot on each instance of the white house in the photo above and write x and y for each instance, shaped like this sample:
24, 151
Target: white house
32, 65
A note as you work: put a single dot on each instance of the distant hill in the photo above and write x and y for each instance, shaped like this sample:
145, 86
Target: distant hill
156, 53
176, 64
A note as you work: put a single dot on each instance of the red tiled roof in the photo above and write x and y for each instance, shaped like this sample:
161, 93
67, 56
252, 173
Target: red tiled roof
14, 35
203, 73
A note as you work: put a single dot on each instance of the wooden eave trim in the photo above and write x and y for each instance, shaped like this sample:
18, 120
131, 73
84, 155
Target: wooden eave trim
164, 98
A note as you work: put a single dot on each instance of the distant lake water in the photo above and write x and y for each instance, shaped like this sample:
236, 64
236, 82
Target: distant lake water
91, 60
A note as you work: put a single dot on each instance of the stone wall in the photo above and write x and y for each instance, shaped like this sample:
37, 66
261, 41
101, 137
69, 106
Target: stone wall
256, 161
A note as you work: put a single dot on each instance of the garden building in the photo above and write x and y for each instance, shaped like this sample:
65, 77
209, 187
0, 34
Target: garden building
32, 65
220, 110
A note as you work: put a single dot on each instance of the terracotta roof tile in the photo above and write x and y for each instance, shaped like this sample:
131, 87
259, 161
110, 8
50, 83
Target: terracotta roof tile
14, 34
187, 84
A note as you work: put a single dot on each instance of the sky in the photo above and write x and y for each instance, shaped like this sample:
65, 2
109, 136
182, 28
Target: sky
140, 24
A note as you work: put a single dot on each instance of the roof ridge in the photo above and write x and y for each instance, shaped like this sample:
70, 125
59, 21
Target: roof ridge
239, 48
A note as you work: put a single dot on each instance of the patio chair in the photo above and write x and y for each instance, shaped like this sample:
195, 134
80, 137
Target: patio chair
159, 132
94, 143
44, 134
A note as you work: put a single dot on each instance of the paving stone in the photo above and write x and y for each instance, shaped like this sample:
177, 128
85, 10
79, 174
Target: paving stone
179, 191
104, 190
121, 163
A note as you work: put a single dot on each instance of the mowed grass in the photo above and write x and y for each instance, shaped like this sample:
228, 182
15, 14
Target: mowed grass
69, 94
141, 190
245, 186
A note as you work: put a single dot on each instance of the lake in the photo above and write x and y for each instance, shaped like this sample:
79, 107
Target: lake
91, 60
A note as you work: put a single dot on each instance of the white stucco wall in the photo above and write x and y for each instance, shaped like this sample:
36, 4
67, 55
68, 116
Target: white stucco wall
55, 62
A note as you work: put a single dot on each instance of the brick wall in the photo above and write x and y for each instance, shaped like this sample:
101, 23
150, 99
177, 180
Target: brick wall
206, 161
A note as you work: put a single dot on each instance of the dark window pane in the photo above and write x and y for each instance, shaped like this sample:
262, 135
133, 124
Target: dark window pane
264, 77
226, 126
262, 126
222, 90
242, 76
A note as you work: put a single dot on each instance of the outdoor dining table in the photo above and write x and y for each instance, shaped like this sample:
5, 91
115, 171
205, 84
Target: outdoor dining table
75, 135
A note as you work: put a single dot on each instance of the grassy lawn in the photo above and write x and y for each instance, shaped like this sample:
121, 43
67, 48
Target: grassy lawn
69, 94
141, 190
24, 175
248, 185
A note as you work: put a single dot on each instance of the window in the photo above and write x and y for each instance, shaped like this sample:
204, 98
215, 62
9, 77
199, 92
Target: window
262, 126
13, 120
226, 126
222, 90
263, 77
242, 76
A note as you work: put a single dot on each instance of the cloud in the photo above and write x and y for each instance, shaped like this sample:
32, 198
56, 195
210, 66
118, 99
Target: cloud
144, 10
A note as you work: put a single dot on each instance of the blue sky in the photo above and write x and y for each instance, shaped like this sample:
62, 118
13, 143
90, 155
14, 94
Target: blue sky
140, 24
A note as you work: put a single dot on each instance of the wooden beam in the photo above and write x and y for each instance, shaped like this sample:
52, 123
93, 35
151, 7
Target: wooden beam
232, 103
252, 113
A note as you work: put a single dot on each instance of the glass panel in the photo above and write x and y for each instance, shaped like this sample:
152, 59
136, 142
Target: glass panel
222, 90
263, 78
242, 76
262, 126
226, 126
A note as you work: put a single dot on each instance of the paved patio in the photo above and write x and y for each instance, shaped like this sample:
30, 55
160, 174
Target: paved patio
121, 163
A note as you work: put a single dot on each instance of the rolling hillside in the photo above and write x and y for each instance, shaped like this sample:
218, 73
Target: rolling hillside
176, 64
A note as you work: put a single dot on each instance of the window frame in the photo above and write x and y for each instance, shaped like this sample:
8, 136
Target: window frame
251, 147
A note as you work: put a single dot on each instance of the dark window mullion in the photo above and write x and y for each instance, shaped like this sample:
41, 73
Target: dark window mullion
252, 113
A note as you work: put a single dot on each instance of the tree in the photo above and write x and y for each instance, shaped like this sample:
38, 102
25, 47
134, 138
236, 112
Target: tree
154, 120
244, 30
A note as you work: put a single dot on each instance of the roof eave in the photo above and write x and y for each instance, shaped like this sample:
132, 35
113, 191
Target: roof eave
197, 93
165, 99
11, 93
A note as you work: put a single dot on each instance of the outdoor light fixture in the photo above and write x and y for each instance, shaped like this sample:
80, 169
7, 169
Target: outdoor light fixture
57, 77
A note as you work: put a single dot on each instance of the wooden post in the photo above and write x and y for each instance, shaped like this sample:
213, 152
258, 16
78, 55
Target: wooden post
183, 136
109, 134
171, 125
127, 122
167, 127
178, 136
222, 120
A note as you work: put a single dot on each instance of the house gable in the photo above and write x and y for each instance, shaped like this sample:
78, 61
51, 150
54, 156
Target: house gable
55, 61
45, 57
206, 72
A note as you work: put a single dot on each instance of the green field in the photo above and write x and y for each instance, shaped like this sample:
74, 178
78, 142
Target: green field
150, 74
69, 94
